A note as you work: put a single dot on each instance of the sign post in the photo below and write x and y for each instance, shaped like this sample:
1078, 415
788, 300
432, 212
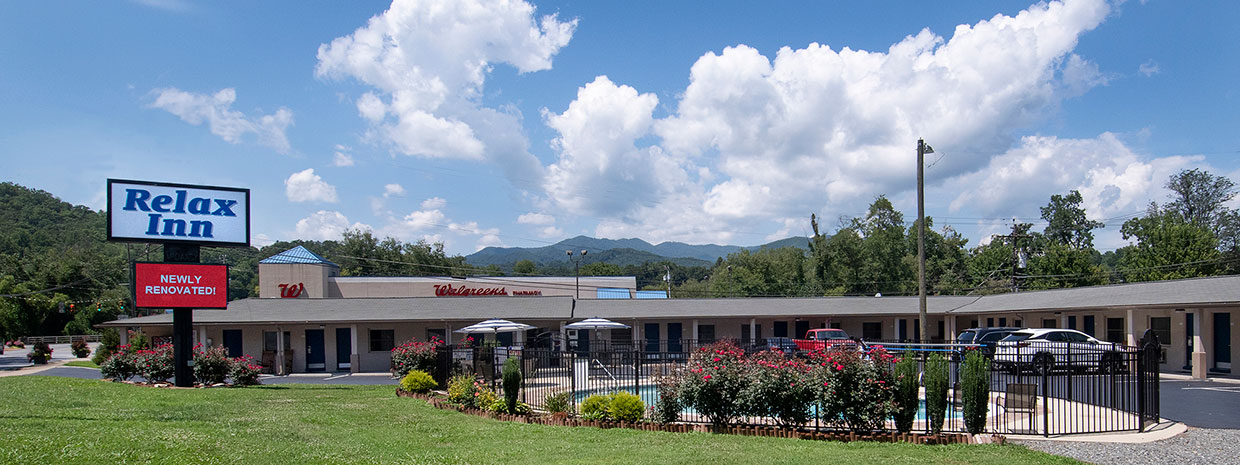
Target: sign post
183, 218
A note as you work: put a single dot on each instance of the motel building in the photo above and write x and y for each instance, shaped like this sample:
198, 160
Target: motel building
318, 321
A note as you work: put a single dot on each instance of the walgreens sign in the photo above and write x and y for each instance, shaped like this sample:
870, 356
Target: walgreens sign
162, 212
175, 285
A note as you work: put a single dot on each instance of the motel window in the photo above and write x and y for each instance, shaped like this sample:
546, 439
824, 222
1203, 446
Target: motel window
439, 333
781, 329
382, 340
872, 331
706, 333
745, 335
1161, 326
1071, 321
1049, 323
990, 322
270, 341
1115, 331
1003, 322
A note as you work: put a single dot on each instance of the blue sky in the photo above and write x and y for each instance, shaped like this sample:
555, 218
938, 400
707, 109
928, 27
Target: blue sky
520, 124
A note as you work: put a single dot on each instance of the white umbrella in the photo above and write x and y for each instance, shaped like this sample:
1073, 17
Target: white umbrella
596, 324
493, 327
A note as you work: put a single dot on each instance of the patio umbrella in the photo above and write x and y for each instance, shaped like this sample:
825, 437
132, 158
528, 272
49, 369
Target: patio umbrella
596, 324
494, 327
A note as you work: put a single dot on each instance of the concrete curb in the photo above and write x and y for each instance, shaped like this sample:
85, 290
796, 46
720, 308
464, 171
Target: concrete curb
1166, 429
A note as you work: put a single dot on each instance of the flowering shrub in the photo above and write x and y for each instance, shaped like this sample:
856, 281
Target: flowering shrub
667, 408
713, 381
463, 390
485, 398
779, 387
904, 396
936, 391
414, 355
79, 348
418, 381
119, 366
243, 371
211, 365
855, 389
595, 407
625, 406
155, 365
40, 353
16, 344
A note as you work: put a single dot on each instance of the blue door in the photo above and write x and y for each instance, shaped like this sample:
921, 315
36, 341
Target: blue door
673, 337
1222, 341
652, 337
315, 360
344, 348
232, 342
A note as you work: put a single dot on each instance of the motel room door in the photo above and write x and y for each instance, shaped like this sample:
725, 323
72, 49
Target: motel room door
344, 348
1222, 341
232, 342
315, 360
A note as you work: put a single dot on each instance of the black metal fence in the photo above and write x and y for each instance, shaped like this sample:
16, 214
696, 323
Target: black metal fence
1036, 388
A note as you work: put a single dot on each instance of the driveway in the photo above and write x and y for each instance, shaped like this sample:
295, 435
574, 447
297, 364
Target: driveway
1201, 404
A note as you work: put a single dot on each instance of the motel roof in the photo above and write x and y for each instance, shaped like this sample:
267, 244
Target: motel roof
1197, 292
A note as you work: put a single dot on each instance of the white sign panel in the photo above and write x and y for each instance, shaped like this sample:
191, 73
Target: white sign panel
141, 211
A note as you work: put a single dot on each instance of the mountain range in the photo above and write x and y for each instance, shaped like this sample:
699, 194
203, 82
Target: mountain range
620, 252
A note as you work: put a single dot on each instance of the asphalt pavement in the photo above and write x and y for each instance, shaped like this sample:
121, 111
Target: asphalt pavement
1201, 404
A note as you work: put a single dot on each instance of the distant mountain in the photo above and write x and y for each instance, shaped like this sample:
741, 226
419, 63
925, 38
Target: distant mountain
620, 252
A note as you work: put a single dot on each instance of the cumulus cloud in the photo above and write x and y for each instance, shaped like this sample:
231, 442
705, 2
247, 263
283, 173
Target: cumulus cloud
305, 186
755, 139
1149, 68
422, 220
231, 125
427, 62
326, 225
342, 157
434, 202
391, 190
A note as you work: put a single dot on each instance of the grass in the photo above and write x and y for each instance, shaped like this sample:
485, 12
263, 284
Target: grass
66, 420
81, 363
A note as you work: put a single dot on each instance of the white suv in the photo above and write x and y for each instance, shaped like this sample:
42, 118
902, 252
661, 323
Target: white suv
1049, 349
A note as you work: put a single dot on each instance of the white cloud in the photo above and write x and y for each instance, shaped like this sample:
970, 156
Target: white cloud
753, 140
551, 232
1149, 68
342, 157
422, 220
326, 225
433, 203
427, 62
230, 125
393, 190
536, 218
305, 186
262, 240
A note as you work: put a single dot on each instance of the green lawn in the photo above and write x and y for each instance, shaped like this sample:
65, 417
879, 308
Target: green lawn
64, 420
81, 363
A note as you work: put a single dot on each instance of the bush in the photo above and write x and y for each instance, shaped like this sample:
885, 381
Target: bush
904, 397
16, 344
558, 402
512, 382
625, 406
463, 391
40, 353
243, 371
418, 381
975, 391
138, 341
855, 390
211, 365
155, 365
501, 406
485, 399
108, 344
713, 382
936, 391
80, 348
595, 407
780, 388
667, 408
414, 355
118, 367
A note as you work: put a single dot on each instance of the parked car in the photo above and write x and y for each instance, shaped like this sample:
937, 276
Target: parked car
1039, 350
985, 338
822, 339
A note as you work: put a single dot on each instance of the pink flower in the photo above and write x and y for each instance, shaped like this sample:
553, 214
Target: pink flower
706, 377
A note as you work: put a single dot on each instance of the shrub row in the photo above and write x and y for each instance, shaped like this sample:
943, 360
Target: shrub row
211, 365
414, 355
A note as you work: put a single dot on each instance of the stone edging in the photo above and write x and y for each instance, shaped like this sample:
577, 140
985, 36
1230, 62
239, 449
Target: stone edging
914, 438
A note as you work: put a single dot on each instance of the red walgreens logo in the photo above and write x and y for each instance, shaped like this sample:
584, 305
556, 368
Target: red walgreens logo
173, 285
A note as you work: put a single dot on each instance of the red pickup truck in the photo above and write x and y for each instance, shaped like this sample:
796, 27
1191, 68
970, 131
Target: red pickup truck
821, 339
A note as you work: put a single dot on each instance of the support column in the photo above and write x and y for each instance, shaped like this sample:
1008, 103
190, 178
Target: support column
753, 330
355, 361
1199, 346
279, 368
1063, 320
949, 327
124, 334
695, 331
1131, 327
183, 346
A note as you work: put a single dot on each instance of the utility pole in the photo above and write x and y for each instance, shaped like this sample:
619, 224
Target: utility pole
922, 150
667, 277
1014, 237
577, 272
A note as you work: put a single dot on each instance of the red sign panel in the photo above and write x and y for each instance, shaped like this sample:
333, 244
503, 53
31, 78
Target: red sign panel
175, 285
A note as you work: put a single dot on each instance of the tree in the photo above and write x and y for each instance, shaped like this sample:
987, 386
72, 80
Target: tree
1168, 247
1067, 223
1200, 197
524, 267
601, 269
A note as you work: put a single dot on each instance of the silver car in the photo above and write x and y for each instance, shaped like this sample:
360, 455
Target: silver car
1044, 350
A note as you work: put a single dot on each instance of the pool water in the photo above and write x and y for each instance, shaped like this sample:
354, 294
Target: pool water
650, 395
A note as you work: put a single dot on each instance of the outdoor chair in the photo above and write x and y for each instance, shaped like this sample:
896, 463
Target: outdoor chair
1020, 399
268, 361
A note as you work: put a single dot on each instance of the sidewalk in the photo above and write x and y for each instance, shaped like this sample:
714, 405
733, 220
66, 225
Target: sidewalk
1184, 377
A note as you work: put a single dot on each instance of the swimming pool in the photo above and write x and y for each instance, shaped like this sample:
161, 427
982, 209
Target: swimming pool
650, 394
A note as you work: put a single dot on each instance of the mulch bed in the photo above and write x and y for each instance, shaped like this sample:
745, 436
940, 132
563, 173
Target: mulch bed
763, 431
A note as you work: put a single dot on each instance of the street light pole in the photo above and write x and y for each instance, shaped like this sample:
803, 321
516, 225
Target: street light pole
922, 150
577, 272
